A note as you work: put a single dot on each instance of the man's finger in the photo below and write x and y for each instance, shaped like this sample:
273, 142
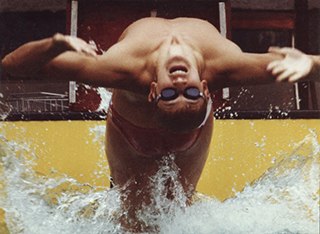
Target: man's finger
278, 69
93, 45
273, 49
281, 51
294, 78
272, 65
285, 75
91, 52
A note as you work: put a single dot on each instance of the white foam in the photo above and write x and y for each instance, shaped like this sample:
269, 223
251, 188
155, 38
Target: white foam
105, 99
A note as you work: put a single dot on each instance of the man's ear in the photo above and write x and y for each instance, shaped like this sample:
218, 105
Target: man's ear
152, 94
206, 91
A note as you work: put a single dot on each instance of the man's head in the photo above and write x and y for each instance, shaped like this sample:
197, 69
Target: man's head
180, 111
177, 90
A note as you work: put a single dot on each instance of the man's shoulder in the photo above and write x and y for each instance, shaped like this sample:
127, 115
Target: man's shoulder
157, 23
145, 22
179, 20
154, 30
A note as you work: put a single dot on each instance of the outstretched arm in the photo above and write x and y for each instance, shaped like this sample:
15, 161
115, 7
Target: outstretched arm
31, 58
69, 58
236, 68
295, 65
227, 65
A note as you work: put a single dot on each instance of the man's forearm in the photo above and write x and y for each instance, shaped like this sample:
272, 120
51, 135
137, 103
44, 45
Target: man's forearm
251, 69
30, 58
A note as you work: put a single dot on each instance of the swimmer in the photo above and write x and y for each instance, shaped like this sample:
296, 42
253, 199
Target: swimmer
162, 72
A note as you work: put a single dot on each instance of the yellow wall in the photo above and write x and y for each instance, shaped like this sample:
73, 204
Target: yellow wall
68, 147
241, 150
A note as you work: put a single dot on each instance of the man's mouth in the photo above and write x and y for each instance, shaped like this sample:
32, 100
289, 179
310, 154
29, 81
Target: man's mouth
178, 70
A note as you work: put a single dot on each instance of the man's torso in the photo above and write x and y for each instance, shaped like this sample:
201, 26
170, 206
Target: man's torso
148, 37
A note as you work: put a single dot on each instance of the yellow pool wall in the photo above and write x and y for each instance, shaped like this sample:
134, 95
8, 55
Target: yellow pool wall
240, 151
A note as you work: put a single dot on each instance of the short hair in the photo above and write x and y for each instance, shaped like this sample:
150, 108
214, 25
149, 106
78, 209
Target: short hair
182, 120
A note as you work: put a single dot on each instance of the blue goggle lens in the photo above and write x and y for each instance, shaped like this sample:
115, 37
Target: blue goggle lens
171, 94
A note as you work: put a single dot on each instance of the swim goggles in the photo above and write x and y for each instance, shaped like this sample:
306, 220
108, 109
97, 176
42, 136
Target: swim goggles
169, 94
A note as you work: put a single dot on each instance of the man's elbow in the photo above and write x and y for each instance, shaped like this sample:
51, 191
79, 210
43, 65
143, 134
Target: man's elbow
10, 66
7, 65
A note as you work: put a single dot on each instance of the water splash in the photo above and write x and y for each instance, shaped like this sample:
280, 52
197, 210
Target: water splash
284, 200
5, 108
106, 96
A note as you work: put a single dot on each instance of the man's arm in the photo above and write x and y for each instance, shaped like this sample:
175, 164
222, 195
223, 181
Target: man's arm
31, 58
251, 69
279, 65
227, 65
236, 68
70, 58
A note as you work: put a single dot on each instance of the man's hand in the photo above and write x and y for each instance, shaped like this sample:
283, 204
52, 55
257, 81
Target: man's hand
295, 66
71, 43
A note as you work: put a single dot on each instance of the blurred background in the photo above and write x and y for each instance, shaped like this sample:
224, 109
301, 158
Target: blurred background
252, 24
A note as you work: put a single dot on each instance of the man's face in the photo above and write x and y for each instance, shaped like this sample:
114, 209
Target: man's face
178, 69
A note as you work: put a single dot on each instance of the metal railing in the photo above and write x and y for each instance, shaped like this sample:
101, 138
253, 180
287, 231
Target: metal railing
38, 102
